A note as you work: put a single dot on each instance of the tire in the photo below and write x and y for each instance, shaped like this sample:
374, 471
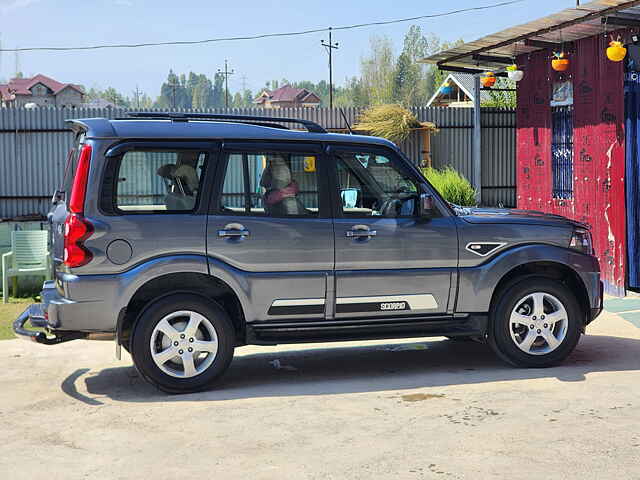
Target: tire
183, 343
518, 305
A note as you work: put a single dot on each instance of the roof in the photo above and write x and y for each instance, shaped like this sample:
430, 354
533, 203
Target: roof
22, 86
287, 93
209, 130
568, 25
465, 82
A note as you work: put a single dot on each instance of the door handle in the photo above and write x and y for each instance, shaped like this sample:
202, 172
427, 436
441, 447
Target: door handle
233, 230
361, 233
233, 233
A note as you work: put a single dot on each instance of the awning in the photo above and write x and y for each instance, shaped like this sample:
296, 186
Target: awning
497, 50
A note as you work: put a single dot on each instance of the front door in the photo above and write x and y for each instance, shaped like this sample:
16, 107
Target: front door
270, 222
389, 261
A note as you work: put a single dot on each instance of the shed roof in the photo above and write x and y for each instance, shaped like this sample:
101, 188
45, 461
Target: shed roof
566, 26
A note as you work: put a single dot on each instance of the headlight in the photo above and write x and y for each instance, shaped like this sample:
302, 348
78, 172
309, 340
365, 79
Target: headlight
581, 241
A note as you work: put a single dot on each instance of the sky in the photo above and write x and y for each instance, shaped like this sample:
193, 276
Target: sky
27, 23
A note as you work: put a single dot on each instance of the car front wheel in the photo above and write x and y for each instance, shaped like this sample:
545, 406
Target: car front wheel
183, 343
535, 322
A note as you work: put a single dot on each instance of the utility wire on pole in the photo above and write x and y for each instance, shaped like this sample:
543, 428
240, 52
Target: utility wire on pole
226, 74
330, 48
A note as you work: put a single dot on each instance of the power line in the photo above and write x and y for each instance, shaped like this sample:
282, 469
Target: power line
265, 35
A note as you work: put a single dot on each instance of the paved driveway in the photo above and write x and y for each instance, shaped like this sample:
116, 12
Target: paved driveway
392, 409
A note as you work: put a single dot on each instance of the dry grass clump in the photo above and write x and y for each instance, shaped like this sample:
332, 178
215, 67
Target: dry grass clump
393, 122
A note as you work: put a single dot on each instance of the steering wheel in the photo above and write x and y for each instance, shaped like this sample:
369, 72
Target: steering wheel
392, 206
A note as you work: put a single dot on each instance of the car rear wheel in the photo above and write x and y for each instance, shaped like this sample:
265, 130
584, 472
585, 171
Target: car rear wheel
183, 343
536, 322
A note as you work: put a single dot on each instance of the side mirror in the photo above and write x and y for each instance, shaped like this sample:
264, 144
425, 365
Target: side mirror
427, 205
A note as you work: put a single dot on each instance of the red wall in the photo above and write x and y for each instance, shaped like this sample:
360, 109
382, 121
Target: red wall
598, 163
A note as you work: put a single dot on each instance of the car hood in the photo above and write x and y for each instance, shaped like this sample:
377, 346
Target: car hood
514, 216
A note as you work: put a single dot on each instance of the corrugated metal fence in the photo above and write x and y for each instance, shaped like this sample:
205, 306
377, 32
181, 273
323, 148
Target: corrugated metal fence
34, 145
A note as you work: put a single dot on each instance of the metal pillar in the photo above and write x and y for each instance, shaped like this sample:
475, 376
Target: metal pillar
476, 148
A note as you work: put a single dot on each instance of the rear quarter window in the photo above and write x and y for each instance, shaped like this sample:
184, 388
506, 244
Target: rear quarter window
158, 181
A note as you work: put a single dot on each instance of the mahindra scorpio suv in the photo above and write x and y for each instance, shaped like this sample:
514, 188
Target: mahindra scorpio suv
184, 236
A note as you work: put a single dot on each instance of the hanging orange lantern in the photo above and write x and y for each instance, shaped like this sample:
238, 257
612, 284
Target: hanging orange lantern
560, 62
488, 79
616, 51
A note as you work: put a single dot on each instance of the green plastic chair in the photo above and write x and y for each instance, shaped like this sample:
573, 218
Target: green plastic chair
5, 238
29, 256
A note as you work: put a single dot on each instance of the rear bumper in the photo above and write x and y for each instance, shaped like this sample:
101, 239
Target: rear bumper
48, 316
35, 315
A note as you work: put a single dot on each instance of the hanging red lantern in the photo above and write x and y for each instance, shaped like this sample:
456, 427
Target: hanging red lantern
488, 79
560, 62
616, 51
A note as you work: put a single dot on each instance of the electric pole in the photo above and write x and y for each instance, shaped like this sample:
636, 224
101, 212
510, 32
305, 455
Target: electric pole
330, 47
226, 74
137, 95
173, 87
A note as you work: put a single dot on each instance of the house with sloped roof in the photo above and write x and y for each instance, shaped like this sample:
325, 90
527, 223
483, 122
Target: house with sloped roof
287, 96
40, 91
456, 91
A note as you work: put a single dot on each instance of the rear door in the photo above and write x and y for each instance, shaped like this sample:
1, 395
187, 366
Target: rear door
389, 260
58, 213
270, 221
148, 200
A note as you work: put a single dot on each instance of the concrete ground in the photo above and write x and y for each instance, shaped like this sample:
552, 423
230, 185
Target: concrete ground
387, 409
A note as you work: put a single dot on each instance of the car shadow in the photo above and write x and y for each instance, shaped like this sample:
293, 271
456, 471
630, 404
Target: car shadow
346, 369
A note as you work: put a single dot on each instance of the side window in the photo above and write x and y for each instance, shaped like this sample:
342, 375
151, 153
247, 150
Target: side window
159, 180
371, 185
270, 184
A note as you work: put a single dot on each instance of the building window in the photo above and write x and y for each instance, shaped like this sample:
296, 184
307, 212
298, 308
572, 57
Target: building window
562, 151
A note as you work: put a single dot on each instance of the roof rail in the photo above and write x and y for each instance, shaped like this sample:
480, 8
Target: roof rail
179, 116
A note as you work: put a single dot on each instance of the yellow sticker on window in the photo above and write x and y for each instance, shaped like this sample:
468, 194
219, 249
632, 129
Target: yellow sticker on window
309, 164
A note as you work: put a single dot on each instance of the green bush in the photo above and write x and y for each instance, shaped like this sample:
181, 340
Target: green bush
452, 185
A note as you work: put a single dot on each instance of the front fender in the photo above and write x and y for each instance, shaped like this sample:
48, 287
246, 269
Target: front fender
477, 284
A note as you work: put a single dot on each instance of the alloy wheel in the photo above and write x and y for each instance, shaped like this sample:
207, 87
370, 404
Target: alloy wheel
538, 323
184, 344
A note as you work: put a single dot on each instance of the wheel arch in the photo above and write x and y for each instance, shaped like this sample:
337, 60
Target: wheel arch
204, 285
478, 285
549, 269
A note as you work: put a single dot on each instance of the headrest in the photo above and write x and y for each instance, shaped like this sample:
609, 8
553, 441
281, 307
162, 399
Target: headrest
188, 174
167, 170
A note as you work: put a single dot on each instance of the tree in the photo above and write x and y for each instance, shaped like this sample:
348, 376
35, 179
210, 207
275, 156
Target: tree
501, 99
113, 96
218, 91
201, 92
378, 71
173, 93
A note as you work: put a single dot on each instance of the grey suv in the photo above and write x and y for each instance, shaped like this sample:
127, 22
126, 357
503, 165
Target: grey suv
185, 236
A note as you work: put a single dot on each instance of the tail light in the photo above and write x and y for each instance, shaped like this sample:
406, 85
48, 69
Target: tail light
76, 228
76, 231
79, 188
